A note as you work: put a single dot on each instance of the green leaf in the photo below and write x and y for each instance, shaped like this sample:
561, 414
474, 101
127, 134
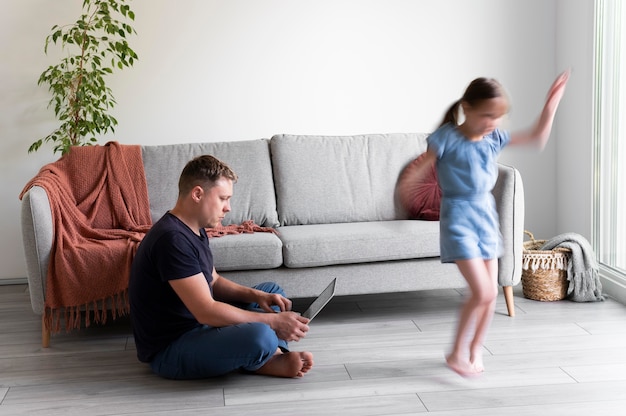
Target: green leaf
80, 97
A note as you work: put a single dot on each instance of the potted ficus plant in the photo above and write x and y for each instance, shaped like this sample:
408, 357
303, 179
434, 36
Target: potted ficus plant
94, 47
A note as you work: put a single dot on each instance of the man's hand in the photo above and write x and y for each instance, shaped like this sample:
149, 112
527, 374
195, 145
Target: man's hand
289, 326
267, 300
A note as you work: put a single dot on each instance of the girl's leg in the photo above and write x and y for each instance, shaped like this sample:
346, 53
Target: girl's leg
477, 309
483, 321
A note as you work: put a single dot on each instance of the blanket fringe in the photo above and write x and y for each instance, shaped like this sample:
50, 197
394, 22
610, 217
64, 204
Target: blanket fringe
96, 312
246, 227
545, 262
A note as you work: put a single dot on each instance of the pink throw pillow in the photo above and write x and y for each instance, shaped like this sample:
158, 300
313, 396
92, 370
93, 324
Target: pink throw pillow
420, 197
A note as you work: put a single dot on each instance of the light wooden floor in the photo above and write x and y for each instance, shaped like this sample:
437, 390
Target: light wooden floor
374, 355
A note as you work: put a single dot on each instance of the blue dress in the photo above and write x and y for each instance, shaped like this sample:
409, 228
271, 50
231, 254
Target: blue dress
467, 172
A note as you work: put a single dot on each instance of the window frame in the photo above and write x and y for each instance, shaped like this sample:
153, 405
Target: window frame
609, 64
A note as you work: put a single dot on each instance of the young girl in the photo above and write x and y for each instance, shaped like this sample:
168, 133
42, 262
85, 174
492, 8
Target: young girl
465, 157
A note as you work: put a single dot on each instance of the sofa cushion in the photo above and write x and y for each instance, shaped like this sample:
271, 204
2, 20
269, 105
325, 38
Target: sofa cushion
253, 198
330, 179
247, 251
358, 242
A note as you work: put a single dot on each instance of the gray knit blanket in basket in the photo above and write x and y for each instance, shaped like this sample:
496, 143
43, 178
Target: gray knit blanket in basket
582, 267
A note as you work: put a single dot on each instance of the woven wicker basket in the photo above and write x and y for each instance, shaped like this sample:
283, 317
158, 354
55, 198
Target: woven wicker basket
544, 272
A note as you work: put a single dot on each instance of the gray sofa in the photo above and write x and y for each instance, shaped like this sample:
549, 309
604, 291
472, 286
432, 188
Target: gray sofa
333, 203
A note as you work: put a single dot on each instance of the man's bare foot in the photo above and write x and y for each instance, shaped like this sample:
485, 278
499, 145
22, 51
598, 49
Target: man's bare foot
288, 364
462, 368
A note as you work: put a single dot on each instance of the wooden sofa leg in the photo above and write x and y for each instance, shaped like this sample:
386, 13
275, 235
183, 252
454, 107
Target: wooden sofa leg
508, 297
45, 334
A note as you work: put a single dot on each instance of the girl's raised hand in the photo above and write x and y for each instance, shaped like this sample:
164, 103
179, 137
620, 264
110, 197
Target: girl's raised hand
540, 131
556, 91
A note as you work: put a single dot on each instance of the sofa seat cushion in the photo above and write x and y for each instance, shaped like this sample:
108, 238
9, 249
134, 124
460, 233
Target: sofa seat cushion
247, 251
345, 243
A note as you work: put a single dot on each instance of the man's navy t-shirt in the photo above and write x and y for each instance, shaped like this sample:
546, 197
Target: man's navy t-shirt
169, 251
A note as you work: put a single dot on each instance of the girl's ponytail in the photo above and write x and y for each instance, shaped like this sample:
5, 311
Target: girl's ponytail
452, 114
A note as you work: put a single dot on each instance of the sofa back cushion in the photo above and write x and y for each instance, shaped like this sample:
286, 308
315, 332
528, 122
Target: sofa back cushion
334, 179
253, 197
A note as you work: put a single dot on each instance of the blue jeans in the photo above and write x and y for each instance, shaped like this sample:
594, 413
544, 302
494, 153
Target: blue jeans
207, 351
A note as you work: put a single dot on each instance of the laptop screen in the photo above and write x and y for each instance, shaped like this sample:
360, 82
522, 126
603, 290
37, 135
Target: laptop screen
321, 301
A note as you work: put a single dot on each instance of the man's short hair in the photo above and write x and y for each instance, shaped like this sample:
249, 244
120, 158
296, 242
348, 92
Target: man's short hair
203, 171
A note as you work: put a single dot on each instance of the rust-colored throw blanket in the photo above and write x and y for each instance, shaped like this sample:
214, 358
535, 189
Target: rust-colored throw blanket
100, 212
246, 227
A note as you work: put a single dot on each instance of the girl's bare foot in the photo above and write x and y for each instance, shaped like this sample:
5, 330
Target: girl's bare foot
477, 361
461, 367
288, 364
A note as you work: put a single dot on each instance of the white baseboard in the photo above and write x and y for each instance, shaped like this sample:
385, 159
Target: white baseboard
613, 284
13, 281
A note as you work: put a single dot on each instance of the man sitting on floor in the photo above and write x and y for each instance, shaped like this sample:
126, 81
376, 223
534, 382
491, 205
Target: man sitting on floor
190, 322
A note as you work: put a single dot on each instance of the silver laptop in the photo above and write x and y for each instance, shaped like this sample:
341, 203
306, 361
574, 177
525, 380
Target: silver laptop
321, 301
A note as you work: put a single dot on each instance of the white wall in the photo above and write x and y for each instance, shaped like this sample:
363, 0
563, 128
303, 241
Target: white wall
213, 70
574, 155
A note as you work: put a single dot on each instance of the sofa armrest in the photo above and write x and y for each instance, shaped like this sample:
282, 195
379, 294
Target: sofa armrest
509, 196
37, 234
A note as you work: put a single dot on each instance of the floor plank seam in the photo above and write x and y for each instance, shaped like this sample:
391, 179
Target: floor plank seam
570, 375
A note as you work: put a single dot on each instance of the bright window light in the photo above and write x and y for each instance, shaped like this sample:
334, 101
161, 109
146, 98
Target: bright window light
609, 225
